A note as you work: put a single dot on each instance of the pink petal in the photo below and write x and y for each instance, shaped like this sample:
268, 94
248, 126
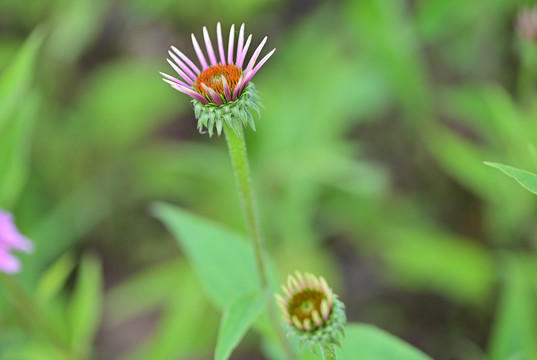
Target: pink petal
209, 47
255, 55
180, 72
183, 66
237, 89
220, 43
247, 77
243, 53
240, 43
190, 93
187, 60
230, 45
258, 66
173, 81
201, 58
10, 237
212, 94
226, 89
8, 263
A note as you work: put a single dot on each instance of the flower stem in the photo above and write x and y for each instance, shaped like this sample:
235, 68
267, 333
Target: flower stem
239, 159
329, 352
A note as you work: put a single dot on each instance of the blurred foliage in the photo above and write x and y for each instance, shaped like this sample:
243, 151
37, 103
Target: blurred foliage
367, 161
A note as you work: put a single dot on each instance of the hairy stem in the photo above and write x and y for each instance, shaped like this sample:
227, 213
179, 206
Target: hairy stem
329, 352
239, 159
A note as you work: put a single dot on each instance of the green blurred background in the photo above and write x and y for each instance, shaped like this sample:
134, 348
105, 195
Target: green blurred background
367, 161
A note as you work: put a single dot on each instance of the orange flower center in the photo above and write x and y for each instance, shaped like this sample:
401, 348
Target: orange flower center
304, 303
212, 77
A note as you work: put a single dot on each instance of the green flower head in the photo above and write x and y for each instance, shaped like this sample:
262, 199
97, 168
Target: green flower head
311, 311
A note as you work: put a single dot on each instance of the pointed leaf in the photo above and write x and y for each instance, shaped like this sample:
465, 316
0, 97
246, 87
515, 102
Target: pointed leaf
15, 145
237, 319
223, 260
54, 278
85, 306
515, 328
525, 178
16, 78
187, 324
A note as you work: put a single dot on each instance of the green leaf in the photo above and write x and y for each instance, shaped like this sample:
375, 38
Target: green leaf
51, 235
422, 257
515, 328
188, 323
84, 310
462, 160
367, 342
76, 25
525, 178
491, 112
17, 114
54, 278
223, 259
431, 15
236, 321
395, 47
15, 144
158, 283
16, 78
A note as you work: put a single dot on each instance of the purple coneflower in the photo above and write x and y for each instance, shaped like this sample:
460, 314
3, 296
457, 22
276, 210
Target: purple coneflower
311, 310
11, 239
222, 90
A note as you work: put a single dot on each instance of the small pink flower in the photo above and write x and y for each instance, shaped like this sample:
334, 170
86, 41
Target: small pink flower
11, 239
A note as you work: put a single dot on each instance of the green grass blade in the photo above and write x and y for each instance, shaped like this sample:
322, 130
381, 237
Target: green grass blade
525, 178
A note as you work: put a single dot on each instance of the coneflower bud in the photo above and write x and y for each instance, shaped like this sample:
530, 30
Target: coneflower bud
312, 311
526, 24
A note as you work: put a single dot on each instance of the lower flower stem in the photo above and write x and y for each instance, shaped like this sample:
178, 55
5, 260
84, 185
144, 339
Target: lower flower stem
329, 352
239, 159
